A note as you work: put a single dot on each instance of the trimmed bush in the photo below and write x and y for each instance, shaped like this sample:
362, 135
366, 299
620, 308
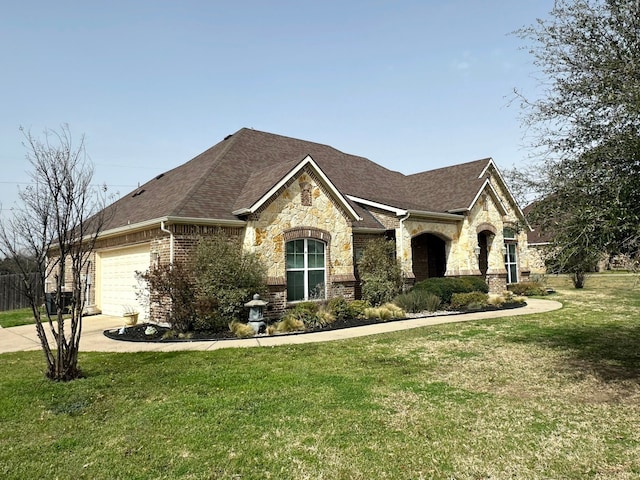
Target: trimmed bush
173, 285
417, 301
339, 308
357, 308
377, 290
380, 272
469, 301
304, 312
225, 278
476, 284
445, 287
527, 288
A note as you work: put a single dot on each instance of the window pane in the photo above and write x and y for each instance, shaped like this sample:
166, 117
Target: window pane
295, 286
513, 273
295, 254
510, 263
316, 254
316, 284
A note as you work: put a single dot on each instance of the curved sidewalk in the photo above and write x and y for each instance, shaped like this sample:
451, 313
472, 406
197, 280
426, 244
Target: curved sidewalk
24, 338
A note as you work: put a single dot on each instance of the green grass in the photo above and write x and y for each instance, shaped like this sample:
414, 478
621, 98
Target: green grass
535, 397
23, 316
13, 318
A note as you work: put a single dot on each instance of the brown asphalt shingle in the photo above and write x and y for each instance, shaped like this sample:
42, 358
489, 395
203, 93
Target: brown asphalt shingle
535, 236
449, 188
238, 171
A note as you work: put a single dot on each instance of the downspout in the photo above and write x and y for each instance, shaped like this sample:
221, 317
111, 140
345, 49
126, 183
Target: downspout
171, 241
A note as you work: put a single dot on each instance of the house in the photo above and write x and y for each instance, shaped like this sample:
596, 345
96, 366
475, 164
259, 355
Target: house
541, 248
539, 244
307, 210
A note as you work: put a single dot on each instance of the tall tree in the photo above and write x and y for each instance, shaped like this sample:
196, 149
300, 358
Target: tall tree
585, 127
56, 226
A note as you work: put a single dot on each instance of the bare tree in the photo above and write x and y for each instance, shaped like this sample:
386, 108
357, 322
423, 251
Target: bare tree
56, 226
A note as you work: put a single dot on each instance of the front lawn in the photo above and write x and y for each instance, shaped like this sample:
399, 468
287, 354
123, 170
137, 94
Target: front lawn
545, 396
13, 318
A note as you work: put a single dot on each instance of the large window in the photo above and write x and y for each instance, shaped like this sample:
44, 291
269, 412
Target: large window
305, 269
511, 263
510, 258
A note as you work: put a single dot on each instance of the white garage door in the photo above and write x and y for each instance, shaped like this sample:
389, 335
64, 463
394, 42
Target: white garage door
118, 283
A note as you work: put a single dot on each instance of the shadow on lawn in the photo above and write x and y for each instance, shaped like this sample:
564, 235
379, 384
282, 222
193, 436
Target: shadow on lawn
611, 352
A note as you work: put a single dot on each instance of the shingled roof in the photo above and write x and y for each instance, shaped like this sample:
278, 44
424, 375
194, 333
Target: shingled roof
243, 167
535, 236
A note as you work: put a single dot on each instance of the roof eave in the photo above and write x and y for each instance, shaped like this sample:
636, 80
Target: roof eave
147, 224
436, 215
242, 211
223, 222
400, 212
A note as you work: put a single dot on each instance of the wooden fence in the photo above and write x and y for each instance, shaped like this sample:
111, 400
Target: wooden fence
11, 295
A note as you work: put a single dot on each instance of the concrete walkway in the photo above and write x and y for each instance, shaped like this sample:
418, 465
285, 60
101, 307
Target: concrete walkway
24, 338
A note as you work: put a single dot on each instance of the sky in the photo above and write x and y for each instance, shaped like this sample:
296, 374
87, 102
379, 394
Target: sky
412, 85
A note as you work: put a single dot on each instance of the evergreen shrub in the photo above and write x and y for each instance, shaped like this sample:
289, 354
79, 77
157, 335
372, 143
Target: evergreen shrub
445, 287
527, 288
339, 307
380, 272
469, 301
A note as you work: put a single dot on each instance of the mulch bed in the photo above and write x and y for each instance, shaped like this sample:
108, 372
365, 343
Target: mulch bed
137, 333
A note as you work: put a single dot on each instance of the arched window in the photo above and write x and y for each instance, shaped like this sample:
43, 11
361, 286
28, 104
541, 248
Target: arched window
305, 269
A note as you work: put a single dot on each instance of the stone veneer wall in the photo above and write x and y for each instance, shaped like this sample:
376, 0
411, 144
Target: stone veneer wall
462, 237
537, 254
412, 227
303, 208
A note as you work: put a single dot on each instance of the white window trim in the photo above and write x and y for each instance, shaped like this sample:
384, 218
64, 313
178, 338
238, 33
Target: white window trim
509, 261
305, 269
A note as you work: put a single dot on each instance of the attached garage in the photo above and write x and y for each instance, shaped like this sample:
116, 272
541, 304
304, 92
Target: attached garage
116, 278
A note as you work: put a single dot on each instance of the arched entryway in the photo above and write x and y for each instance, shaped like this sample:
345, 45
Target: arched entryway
429, 256
484, 240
